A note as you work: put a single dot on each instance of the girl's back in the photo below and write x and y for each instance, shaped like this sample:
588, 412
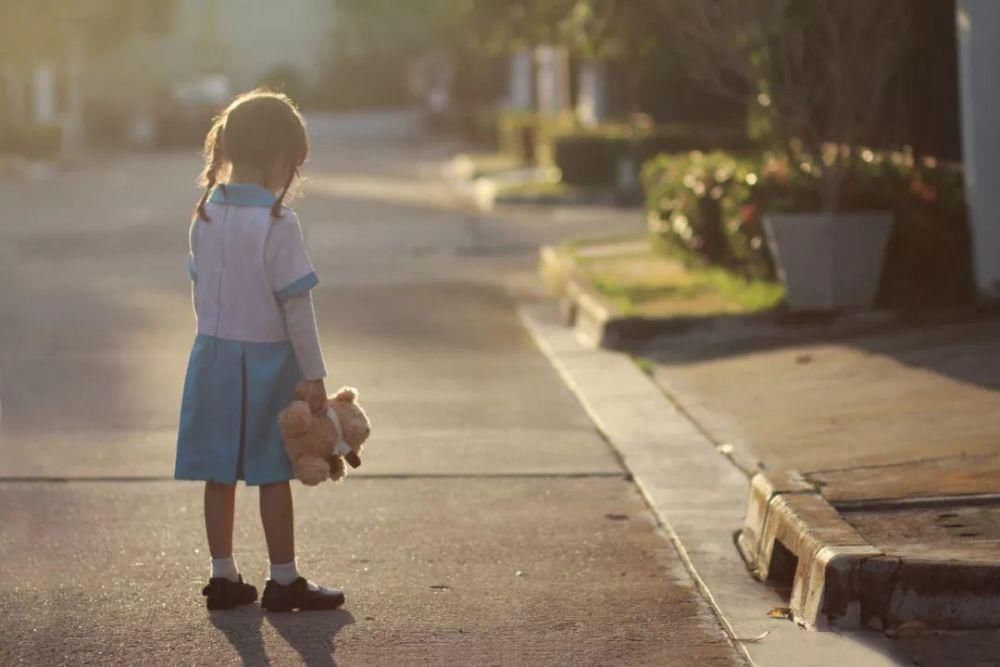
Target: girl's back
245, 262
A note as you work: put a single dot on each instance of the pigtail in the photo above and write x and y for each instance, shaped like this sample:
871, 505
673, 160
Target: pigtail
214, 156
279, 202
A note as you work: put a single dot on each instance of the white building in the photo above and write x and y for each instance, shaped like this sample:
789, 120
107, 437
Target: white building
978, 25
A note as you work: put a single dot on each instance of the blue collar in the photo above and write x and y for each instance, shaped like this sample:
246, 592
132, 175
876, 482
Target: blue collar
242, 194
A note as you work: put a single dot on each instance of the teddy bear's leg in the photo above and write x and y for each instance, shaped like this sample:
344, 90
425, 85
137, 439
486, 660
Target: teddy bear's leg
311, 470
337, 470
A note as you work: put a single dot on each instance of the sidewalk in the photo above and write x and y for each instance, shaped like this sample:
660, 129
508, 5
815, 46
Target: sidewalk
893, 399
879, 462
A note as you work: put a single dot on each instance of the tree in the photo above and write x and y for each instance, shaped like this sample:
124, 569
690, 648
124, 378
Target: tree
45, 28
820, 71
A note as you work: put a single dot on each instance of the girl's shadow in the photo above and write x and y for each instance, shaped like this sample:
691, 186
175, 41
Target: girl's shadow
310, 634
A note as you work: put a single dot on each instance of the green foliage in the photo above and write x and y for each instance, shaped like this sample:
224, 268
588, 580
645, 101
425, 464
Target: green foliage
697, 202
747, 295
622, 30
590, 156
512, 24
610, 30
645, 364
45, 28
866, 180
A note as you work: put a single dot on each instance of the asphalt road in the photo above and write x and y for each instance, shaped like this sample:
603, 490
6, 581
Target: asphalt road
490, 523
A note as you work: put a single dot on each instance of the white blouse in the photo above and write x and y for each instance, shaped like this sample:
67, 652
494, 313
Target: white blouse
252, 278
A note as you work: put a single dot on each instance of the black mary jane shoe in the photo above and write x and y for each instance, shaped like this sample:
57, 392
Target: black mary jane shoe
298, 595
222, 593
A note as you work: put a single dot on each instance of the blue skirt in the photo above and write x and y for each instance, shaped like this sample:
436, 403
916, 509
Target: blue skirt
233, 393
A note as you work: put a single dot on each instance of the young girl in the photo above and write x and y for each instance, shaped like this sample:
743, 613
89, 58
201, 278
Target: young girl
256, 340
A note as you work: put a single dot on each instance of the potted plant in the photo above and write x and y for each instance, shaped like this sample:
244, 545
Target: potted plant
827, 256
821, 78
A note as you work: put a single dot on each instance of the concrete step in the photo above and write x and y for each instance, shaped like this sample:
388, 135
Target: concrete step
875, 562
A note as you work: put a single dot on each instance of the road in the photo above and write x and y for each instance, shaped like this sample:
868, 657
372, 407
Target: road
490, 523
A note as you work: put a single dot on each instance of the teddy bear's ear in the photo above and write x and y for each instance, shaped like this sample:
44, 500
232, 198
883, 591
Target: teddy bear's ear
346, 394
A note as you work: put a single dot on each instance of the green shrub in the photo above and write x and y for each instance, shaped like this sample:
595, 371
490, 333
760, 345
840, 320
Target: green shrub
696, 202
929, 259
591, 157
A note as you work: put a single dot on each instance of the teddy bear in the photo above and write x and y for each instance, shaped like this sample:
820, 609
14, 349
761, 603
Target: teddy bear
318, 446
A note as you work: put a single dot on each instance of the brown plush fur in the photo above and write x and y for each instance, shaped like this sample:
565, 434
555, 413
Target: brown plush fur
309, 441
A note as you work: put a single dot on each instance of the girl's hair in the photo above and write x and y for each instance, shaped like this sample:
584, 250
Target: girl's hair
258, 129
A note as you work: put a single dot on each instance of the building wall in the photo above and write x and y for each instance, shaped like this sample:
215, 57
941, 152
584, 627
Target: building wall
978, 25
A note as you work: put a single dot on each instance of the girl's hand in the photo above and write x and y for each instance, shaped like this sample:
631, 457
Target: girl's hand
316, 397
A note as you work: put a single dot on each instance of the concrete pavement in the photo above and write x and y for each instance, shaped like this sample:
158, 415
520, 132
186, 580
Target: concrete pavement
913, 394
491, 524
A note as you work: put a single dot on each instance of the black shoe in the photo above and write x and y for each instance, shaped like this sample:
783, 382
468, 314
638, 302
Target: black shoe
298, 595
223, 593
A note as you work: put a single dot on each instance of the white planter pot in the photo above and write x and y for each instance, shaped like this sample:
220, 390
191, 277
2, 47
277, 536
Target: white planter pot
829, 260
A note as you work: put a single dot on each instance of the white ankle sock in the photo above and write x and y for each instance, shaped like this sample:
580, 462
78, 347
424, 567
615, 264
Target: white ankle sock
225, 567
286, 573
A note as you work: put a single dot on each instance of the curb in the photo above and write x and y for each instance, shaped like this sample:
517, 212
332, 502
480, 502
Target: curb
698, 497
793, 537
599, 323
596, 319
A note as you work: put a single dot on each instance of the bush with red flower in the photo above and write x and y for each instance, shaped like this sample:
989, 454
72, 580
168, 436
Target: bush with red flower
697, 202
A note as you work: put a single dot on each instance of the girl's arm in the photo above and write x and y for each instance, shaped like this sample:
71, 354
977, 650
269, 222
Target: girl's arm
300, 319
292, 279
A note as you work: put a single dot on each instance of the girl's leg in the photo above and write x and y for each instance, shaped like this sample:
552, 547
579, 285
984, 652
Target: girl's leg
225, 588
285, 589
277, 515
220, 502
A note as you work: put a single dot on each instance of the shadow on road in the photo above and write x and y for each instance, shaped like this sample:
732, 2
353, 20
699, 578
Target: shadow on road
310, 634
242, 628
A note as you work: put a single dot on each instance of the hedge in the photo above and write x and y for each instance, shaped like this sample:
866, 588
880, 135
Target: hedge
592, 157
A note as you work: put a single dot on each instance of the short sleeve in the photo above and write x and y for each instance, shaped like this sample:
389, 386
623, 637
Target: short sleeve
288, 267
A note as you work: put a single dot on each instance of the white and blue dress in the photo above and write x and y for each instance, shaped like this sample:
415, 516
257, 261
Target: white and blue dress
244, 264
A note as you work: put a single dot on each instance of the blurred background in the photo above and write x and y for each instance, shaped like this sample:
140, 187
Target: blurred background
584, 91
